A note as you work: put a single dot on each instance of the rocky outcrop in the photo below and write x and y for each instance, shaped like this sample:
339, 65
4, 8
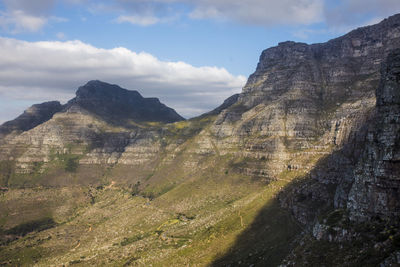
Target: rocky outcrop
304, 101
103, 125
120, 106
32, 117
327, 73
376, 188
308, 118
305, 104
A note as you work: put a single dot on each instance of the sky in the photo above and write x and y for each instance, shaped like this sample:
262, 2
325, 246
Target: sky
191, 54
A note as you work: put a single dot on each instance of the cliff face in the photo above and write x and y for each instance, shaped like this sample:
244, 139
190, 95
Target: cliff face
308, 129
303, 100
328, 73
376, 188
357, 222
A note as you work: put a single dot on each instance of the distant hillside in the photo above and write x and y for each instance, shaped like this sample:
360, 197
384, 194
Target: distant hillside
301, 169
118, 105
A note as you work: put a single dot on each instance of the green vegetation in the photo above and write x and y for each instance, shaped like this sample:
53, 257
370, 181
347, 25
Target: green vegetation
184, 130
192, 219
6, 171
132, 239
71, 163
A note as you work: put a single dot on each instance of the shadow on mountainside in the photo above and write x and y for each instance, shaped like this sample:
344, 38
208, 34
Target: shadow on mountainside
269, 239
266, 241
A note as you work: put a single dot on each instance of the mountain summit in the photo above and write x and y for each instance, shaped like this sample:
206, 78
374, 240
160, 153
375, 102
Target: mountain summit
116, 105
300, 169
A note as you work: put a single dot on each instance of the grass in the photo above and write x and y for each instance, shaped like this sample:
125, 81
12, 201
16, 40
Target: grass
188, 207
31, 226
6, 171
196, 221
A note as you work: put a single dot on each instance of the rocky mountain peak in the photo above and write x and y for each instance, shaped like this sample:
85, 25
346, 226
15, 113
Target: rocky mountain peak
99, 90
324, 73
31, 117
118, 105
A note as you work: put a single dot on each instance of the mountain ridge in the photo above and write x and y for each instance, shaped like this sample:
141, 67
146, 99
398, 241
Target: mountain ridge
302, 163
115, 103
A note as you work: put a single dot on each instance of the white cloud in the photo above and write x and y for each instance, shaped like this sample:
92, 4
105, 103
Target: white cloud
18, 21
260, 12
254, 12
25, 15
35, 8
61, 36
138, 20
42, 71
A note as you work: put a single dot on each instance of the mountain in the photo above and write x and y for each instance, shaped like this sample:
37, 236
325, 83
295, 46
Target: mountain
32, 117
115, 104
365, 202
302, 163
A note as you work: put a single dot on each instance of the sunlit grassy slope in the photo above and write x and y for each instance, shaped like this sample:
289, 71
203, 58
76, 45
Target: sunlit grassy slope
174, 217
194, 223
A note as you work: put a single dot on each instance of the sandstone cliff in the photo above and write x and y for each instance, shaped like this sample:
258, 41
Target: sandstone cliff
376, 187
307, 129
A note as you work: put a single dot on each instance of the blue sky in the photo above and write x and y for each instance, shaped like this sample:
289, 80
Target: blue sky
191, 54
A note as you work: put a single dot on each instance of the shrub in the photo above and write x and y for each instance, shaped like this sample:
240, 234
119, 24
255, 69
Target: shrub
71, 164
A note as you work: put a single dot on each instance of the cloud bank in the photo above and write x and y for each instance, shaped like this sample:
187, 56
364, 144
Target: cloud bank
348, 14
260, 12
339, 15
41, 71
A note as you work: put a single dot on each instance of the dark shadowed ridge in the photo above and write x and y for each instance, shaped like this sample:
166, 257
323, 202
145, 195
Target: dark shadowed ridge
118, 105
32, 117
226, 104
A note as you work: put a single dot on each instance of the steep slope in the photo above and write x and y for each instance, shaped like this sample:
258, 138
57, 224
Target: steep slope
360, 223
32, 117
376, 187
302, 93
223, 188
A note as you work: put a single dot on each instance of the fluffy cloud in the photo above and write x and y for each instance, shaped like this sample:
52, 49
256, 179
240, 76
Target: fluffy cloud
253, 12
139, 20
260, 12
18, 21
25, 15
41, 71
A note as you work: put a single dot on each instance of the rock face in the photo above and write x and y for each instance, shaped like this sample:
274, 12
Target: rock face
327, 73
305, 111
376, 188
303, 100
104, 124
310, 118
32, 117
118, 105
